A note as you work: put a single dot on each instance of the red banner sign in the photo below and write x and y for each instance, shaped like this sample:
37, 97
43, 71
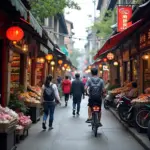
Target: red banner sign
124, 14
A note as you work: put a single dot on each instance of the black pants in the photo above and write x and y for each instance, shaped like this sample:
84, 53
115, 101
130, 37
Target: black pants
66, 97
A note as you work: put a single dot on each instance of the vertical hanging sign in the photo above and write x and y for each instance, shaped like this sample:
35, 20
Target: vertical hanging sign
124, 14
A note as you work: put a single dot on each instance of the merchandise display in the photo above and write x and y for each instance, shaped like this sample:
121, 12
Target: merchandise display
24, 120
143, 98
15, 71
7, 115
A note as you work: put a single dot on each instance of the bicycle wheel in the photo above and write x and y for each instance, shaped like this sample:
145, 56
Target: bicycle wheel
95, 131
123, 112
142, 118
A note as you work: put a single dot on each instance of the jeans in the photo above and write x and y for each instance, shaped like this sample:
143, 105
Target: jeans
78, 105
66, 97
49, 109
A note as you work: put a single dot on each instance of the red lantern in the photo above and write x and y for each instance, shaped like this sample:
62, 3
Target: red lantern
105, 59
14, 33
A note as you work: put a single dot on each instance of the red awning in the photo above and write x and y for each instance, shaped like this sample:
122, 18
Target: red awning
114, 40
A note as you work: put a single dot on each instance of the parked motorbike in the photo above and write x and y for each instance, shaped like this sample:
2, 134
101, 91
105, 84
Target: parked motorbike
95, 119
108, 102
126, 111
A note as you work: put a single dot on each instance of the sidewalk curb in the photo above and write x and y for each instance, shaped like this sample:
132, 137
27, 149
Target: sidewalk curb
132, 132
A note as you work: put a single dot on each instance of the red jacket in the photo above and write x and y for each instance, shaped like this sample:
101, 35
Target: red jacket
66, 86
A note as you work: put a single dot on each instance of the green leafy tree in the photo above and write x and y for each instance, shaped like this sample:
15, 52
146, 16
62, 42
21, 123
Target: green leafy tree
45, 8
103, 26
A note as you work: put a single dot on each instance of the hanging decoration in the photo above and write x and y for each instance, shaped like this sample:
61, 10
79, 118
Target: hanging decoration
49, 57
115, 63
105, 59
65, 65
110, 56
60, 62
52, 63
14, 33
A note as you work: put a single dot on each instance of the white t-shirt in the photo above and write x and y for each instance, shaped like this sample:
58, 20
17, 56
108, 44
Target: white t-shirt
55, 91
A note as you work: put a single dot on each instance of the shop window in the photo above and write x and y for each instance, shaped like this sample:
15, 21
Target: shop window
29, 72
15, 71
146, 71
134, 70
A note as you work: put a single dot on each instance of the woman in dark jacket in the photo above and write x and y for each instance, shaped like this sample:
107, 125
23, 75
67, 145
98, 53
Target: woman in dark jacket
77, 90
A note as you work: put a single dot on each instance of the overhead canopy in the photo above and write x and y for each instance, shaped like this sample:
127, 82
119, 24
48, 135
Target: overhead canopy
113, 41
64, 50
19, 7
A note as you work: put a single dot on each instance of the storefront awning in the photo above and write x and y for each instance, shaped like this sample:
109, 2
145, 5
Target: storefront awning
43, 49
20, 7
115, 40
64, 50
35, 24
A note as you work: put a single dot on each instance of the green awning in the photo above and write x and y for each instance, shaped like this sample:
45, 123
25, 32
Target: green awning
20, 7
64, 50
35, 24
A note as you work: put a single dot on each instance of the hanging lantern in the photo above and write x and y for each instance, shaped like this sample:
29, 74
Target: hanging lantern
14, 33
105, 59
52, 63
145, 57
65, 65
49, 57
110, 56
115, 63
100, 66
60, 62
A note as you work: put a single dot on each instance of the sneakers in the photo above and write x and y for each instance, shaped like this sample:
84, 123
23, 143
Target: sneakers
44, 126
66, 104
78, 113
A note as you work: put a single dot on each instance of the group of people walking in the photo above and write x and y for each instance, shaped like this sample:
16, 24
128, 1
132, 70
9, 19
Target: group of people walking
50, 95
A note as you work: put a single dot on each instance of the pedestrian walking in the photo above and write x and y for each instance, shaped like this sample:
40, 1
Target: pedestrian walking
77, 91
49, 96
84, 80
66, 87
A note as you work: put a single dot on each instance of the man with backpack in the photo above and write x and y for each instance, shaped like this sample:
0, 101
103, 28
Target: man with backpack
77, 90
95, 86
48, 97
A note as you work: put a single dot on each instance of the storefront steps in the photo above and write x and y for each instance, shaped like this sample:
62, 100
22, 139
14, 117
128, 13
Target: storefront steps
141, 138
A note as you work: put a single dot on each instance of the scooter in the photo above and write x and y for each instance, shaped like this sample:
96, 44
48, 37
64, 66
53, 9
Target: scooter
125, 111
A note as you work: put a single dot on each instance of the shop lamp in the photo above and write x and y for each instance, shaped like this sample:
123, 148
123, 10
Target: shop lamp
14, 33
49, 57
42, 60
115, 63
52, 63
105, 59
29, 62
52, 68
25, 47
145, 57
14, 42
100, 66
65, 65
60, 62
63, 68
110, 56
101, 72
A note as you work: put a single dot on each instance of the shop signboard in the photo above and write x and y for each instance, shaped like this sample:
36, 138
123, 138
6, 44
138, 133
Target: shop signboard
124, 14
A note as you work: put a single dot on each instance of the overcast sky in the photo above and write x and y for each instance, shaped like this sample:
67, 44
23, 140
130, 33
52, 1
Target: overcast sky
81, 20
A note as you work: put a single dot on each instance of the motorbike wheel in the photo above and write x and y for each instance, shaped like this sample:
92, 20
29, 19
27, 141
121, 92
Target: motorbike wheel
95, 131
122, 111
141, 123
106, 105
148, 130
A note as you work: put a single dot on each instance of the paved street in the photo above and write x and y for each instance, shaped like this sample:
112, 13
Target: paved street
71, 133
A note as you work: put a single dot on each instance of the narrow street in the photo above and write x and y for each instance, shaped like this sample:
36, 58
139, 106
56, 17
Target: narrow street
72, 133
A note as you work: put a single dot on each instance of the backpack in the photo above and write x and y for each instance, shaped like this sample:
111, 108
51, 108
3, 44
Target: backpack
95, 91
48, 93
